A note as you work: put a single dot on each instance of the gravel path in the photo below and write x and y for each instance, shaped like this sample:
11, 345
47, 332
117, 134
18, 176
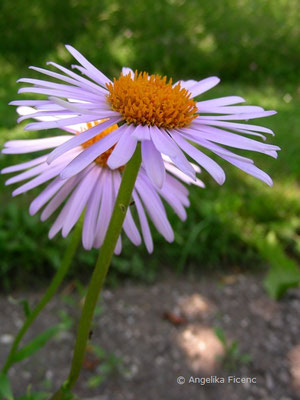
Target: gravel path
145, 337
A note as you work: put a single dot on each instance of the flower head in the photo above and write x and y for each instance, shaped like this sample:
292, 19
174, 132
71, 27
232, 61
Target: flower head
163, 116
95, 189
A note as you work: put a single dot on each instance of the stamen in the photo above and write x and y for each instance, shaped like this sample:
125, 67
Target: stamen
151, 100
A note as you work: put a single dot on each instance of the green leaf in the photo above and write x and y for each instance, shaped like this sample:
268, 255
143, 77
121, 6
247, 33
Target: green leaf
24, 303
283, 273
95, 381
245, 358
5, 389
99, 351
234, 348
36, 343
34, 396
221, 335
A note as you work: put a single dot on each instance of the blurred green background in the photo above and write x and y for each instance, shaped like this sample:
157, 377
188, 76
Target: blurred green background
253, 46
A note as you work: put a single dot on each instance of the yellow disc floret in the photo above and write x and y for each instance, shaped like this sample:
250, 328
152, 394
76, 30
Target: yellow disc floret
102, 159
151, 100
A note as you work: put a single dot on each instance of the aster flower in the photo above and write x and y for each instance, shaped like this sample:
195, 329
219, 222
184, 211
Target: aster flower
95, 189
164, 117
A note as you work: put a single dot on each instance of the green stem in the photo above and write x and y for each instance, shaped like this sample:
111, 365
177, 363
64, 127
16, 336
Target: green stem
100, 271
52, 289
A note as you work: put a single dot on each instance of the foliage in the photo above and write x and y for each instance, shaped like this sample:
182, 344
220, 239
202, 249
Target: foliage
5, 388
237, 39
108, 365
225, 225
232, 357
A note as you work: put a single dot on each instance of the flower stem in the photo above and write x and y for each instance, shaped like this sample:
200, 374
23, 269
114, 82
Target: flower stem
52, 289
100, 271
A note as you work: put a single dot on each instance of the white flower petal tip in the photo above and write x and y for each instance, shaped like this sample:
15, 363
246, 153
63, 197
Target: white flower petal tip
203, 86
16, 193
70, 48
127, 71
52, 233
30, 127
33, 210
272, 153
170, 238
214, 80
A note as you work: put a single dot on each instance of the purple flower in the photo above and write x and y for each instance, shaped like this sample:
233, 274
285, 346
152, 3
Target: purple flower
94, 188
147, 108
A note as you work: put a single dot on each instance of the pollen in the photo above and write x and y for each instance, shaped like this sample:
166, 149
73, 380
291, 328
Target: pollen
102, 159
151, 100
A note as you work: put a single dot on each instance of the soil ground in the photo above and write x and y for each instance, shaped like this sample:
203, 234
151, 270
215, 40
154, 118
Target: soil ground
151, 335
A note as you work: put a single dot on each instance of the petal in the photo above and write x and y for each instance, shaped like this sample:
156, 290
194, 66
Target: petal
59, 198
166, 145
106, 207
101, 78
28, 174
230, 139
230, 109
186, 84
129, 224
25, 165
154, 207
127, 71
92, 212
124, 149
251, 169
46, 195
141, 132
79, 198
82, 138
246, 116
90, 154
144, 223
167, 193
58, 223
74, 93
75, 79
44, 177
221, 101
183, 177
153, 163
203, 86
118, 247
234, 126
163, 142
29, 146
184, 165
206, 162
39, 83
178, 189
56, 122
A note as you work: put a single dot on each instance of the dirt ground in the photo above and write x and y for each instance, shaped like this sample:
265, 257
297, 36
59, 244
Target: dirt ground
153, 336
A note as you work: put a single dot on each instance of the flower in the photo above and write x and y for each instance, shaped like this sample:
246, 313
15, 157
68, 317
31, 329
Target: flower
163, 116
95, 189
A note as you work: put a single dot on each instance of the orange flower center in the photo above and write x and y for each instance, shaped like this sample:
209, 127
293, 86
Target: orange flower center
102, 159
151, 100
